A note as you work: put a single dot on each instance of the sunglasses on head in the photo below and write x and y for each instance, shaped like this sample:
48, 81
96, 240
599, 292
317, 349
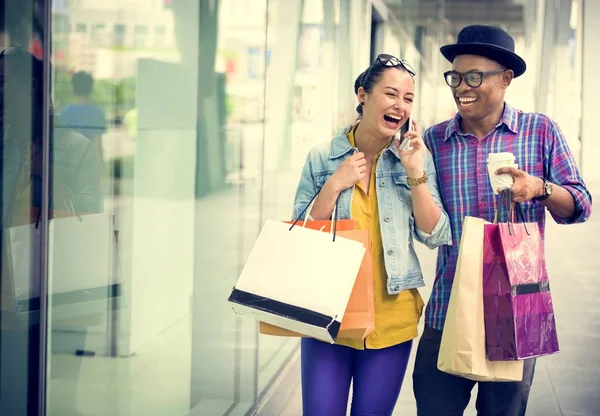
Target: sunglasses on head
389, 61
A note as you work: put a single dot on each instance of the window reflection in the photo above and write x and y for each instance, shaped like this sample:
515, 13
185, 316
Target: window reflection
21, 114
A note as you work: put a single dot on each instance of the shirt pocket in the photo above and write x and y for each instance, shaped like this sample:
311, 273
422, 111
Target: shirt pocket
402, 189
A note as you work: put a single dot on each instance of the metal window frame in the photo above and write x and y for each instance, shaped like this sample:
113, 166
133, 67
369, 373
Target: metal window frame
44, 264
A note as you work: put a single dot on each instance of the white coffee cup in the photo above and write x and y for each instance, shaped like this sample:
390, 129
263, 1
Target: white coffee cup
496, 161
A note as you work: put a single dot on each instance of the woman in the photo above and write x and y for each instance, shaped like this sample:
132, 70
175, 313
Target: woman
393, 194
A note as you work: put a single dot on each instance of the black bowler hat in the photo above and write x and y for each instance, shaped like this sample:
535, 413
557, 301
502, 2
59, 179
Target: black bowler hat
489, 41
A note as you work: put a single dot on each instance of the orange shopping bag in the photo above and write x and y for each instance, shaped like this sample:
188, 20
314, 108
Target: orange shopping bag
359, 317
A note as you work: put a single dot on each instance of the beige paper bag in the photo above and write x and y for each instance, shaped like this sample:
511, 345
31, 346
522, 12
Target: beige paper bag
462, 351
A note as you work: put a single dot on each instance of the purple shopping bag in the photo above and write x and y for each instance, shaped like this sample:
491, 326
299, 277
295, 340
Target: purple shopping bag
518, 311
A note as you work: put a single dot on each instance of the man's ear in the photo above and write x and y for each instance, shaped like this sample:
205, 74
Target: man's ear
507, 77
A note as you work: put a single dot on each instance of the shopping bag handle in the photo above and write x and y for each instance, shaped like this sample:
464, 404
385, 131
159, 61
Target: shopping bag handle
519, 210
305, 213
510, 207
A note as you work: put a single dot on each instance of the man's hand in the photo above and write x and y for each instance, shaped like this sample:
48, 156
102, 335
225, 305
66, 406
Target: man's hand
525, 187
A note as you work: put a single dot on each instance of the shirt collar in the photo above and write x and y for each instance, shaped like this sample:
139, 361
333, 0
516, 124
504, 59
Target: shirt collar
345, 142
510, 118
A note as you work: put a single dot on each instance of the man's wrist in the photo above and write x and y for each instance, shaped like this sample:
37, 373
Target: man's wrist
544, 191
540, 188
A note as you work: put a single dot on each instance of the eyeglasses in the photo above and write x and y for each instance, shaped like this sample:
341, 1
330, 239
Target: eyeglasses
390, 61
473, 79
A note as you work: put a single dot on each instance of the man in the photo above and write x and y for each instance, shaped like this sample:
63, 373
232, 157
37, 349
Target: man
85, 117
484, 64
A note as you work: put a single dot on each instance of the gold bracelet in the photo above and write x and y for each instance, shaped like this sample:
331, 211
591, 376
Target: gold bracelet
414, 182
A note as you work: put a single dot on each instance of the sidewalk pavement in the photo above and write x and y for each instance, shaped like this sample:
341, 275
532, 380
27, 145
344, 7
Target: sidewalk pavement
565, 384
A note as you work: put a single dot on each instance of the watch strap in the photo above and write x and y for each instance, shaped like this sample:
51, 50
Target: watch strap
546, 195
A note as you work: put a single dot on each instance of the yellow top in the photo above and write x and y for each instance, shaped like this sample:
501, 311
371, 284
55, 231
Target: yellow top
396, 316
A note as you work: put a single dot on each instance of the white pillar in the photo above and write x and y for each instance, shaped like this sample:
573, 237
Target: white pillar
353, 51
281, 74
546, 47
591, 91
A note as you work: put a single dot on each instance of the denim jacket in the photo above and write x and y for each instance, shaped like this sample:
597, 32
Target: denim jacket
394, 201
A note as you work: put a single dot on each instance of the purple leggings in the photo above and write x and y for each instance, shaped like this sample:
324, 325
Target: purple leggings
327, 370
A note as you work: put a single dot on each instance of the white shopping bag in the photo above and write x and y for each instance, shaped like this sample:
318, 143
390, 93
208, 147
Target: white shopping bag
463, 346
298, 279
83, 267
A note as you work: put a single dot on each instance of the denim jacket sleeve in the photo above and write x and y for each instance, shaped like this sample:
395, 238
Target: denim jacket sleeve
307, 188
441, 234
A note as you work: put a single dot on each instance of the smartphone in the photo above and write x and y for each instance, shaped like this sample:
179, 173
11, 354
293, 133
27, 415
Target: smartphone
405, 144
408, 126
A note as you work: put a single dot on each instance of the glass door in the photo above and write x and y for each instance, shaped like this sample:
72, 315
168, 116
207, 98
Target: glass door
24, 184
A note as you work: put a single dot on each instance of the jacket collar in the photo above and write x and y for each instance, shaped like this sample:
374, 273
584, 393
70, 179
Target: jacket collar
340, 144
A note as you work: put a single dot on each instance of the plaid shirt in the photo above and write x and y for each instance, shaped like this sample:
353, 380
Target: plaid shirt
461, 162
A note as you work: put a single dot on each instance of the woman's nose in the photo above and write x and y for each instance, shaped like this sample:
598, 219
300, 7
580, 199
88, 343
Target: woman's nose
400, 106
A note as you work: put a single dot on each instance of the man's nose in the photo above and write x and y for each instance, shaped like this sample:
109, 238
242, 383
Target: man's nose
462, 87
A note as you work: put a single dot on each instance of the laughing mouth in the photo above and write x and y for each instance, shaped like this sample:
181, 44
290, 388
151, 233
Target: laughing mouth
393, 119
466, 101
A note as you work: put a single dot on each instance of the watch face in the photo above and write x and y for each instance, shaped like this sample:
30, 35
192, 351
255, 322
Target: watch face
548, 188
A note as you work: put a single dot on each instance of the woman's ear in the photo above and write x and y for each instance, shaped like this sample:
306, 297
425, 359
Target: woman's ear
361, 95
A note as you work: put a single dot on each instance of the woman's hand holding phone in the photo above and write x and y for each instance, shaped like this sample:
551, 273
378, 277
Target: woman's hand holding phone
411, 150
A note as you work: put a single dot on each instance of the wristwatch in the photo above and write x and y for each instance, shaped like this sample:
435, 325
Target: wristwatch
547, 191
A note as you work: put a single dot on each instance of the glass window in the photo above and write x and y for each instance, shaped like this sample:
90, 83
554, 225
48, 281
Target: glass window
150, 228
81, 28
160, 36
22, 114
62, 24
140, 35
98, 33
119, 32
